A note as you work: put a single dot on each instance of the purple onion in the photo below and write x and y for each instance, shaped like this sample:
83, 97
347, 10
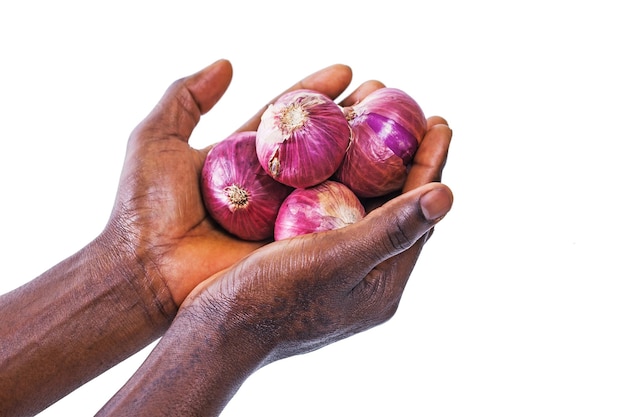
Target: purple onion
387, 128
326, 206
302, 138
237, 192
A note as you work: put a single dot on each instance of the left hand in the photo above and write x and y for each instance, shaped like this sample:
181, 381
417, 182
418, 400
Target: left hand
158, 212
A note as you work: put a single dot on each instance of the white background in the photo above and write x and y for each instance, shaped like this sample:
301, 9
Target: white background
517, 306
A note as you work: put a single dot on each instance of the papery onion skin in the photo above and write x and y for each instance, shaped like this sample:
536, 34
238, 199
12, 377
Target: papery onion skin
326, 206
387, 127
236, 190
302, 138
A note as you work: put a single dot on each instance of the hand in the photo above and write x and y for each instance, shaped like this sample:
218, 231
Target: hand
158, 213
297, 295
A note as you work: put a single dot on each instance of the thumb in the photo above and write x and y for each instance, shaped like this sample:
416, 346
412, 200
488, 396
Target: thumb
401, 222
186, 100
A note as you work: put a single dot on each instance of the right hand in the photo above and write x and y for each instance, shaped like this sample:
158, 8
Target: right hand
297, 295
290, 297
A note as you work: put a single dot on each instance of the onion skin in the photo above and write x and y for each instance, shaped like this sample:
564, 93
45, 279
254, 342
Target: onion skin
387, 128
326, 206
236, 190
302, 138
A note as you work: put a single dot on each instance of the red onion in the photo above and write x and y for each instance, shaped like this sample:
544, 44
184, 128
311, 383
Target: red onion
326, 206
237, 192
387, 127
302, 138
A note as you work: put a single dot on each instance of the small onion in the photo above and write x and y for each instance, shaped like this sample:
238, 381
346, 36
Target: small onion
326, 206
302, 138
237, 192
387, 128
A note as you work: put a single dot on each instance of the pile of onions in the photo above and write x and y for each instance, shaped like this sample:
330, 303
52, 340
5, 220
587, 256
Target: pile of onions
310, 162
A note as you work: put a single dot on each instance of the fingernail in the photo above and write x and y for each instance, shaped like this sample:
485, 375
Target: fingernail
436, 203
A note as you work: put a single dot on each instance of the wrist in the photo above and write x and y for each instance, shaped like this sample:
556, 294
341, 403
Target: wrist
195, 369
232, 327
139, 280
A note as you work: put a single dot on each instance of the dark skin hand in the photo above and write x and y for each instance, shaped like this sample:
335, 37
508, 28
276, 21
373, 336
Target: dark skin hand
179, 244
291, 297
122, 291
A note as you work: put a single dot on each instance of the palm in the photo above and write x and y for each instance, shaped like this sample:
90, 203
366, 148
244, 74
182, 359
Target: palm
160, 197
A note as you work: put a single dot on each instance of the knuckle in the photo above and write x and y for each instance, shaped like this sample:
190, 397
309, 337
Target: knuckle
397, 237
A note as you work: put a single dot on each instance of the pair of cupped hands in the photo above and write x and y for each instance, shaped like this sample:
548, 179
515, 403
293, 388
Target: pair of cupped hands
294, 295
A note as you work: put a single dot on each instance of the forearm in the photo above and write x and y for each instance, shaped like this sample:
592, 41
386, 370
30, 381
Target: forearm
75, 321
194, 370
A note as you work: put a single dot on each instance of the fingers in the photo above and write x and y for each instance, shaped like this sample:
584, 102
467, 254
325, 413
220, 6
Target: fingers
361, 92
430, 159
208, 85
332, 81
186, 100
435, 120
